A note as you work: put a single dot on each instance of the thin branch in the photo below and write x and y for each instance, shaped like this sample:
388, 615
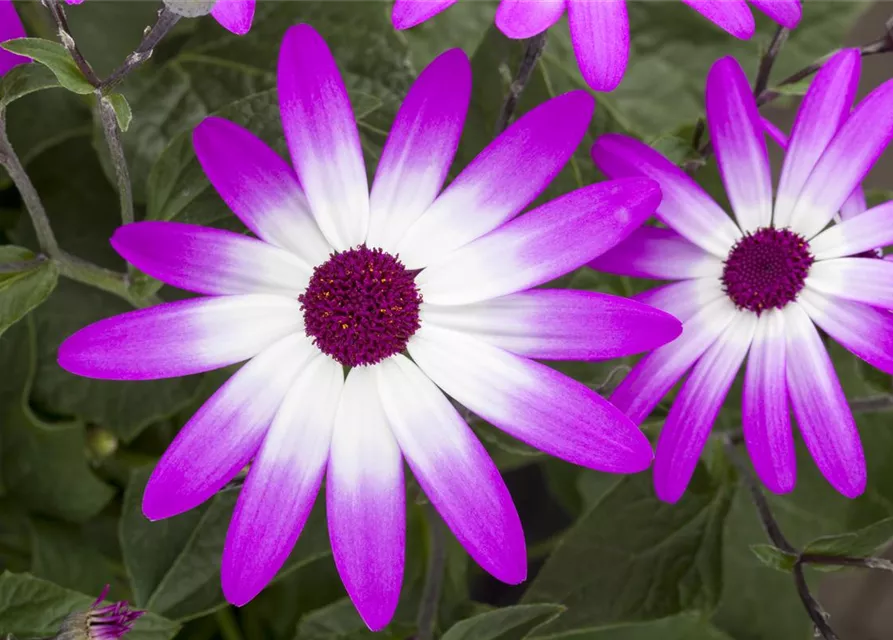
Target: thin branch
816, 613
532, 53
113, 139
57, 10
847, 561
768, 60
872, 404
151, 37
427, 617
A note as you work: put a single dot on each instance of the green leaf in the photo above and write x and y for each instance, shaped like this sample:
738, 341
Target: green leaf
23, 80
508, 623
798, 88
54, 56
122, 110
340, 621
64, 554
774, 558
682, 627
864, 542
174, 564
30, 607
632, 557
22, 291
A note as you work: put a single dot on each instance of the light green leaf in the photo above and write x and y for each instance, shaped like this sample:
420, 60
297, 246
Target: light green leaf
774, 558
190, 8
122, 110
507, 623
864, 542
22, 291
340, 621
23, 80
54, 56
682, 627
798, 88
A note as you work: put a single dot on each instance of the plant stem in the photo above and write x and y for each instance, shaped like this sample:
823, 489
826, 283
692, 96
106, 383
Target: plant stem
768, 60
847, 561
165, 22
113, 139
532, 53
229, 626
57, 10
427, 618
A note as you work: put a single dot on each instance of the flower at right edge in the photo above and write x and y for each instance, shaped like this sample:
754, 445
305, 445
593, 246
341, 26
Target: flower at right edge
756, 289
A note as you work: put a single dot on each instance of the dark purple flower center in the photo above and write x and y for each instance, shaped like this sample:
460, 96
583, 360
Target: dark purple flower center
361, 306
766, 269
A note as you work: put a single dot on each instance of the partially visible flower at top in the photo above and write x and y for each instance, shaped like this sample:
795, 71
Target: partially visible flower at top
11, 27
107, 622
233, 15
600, 28
755, 289
340, 277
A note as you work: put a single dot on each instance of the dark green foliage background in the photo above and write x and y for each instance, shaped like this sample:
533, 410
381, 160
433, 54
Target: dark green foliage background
610, 561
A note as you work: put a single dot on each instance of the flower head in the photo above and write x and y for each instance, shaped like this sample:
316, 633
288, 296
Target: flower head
99, 623
339, 276
600, 28
11, 27
754, 287
233, 15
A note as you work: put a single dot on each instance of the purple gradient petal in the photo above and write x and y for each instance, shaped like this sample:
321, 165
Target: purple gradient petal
685, 206
531, 402
787, 13
764, 411
863, 330
11, 27
210, 261
864, 232
504, 178
866, 280
223, 436
854, 205
821, 409
557, 324
259, 187
846, 161
453, 469
526, 18
600, 36
661, 254
733, 16
409, 13
365, 501
180, 338
824, 108
420, 148
656, 373
547, 242
736, 131
234, 15
691, 417
683, 299
283, 482
322, 137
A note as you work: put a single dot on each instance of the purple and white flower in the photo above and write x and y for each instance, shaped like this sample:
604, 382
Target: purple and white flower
600, 28
11, 27
108, 622
340, 277
754, 286
233, 15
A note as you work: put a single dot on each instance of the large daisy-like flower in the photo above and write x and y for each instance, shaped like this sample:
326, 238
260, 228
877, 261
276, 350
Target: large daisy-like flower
233, 15
756, 288
11, 27
600, 28
340, 278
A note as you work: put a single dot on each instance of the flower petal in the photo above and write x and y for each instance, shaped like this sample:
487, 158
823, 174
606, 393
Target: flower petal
733, 16
764, 412
180, 338
322, 136
787, 13
11, 27
504, 178
559, 324
234, 15
691, 417
365, 500
526, 18
821, 409
259, 187
223, 436
736, 131
657, 372
420, 148
683, 299
866, 280
453, 469
685, 206
824, 108
409, 13
283, 482
858, 234
854, 205
863, 330
600, 36
543, 244
531, 402
846, 161
210, 261
658, 253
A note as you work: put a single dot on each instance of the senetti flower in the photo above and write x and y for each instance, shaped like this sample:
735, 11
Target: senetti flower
108, 622
233, 15
600, 28
10, 28
755, 286
338, 278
